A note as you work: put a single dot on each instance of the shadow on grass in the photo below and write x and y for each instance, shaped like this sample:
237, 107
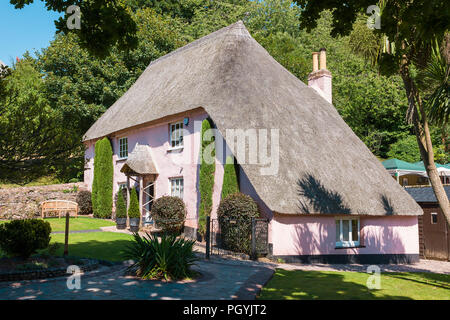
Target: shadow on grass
425, 278
311, 285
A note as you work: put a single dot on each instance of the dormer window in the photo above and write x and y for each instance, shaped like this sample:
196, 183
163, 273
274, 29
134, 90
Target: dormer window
176, 135
123, 148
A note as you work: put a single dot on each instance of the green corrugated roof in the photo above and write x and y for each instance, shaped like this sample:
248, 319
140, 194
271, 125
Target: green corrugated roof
420, 163
392, 164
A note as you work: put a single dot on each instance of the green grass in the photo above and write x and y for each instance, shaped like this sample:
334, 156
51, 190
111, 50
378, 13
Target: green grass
76, 224
42, 181
333, 285
80, 223
97, 245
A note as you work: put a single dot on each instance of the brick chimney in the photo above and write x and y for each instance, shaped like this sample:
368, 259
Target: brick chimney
320, 79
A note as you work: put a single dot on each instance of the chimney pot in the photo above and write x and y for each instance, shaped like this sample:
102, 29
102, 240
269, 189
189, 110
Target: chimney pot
315, 56
323, 59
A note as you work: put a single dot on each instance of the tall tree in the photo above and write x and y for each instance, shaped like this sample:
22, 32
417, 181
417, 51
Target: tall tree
31, 139
103, 24
411, 28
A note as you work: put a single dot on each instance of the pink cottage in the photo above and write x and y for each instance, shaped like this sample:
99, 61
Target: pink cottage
327, 197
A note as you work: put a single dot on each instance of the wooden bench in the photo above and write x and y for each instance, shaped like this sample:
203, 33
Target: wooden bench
59, 206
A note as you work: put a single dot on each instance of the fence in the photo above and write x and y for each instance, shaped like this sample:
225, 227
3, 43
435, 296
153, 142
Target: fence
240, 236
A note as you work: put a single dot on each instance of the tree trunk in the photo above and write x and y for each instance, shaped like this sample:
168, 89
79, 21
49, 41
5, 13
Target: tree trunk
423, 136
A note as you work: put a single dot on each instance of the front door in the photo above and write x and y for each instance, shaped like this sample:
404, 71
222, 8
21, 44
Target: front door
149, 195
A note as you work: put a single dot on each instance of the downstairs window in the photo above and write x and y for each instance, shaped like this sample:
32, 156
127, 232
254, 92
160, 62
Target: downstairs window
347, 232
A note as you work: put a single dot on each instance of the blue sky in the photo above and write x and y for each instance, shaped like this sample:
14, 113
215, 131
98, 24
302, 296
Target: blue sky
30, 28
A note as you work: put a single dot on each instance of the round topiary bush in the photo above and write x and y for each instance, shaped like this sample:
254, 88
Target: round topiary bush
84, 201
235, 215
169, 214
24, 237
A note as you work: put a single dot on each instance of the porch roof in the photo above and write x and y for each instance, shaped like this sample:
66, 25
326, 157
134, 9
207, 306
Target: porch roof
140, 161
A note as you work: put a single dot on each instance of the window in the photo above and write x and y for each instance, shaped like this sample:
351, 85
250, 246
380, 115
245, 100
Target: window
176, 187
123, 148
122, 185
176, 135
347, 232
405, 181
433, 218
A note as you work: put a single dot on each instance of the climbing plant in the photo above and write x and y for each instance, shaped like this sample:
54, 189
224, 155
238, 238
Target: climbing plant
230, 178
207, 170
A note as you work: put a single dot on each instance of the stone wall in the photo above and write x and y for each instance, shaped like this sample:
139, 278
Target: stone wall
23, 202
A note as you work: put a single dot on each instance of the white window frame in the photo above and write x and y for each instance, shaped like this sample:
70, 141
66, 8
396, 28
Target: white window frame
431, 216
179, 182
347, 244
175, 135
123, 150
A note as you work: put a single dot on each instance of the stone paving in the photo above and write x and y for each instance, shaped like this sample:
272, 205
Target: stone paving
219, 280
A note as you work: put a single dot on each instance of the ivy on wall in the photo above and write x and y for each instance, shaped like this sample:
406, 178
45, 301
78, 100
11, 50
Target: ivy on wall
207, 170
230, 178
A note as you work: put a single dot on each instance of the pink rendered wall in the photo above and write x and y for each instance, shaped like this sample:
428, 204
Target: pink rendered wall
310, 235
168, 163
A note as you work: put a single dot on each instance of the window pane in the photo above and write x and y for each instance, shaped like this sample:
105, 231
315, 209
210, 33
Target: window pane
355, 230
338, 230
345, 229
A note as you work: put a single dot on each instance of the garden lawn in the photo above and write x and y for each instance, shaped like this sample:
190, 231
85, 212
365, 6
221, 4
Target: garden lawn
76, 224
335, 285
108, 246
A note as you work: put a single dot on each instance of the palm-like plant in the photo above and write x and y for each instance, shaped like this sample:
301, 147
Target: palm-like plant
436, 77
170, 258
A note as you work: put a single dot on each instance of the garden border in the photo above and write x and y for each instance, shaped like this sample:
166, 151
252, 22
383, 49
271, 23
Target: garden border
45, 273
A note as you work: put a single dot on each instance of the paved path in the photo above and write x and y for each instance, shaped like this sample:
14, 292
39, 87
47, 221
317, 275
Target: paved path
220, 280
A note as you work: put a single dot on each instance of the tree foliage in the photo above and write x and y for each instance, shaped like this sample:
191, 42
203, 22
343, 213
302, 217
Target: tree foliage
133, 209
104, 23
102, 185
121, 207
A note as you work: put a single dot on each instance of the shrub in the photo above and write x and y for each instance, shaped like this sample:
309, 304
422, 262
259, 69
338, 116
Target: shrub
230, 178
121, 207
133, 210
84, 200
169, 258
24, 237
235, 213
169, 214
206, 180
102, 185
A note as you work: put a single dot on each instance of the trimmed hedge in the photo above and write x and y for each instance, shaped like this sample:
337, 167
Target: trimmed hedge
206, 180
235, 213
24, 237
121, 207
169, 214
84, 200
230, 183
133, 210
102, 186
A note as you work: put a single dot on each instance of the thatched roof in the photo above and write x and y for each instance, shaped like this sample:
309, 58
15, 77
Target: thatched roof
324, 167
140, 161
